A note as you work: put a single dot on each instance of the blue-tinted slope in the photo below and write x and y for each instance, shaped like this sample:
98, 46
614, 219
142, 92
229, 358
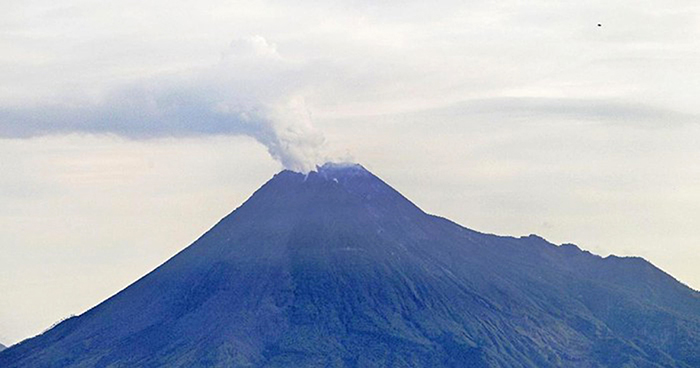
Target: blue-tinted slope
337, 269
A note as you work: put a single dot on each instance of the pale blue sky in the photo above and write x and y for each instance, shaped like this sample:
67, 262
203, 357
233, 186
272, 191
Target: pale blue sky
127, 129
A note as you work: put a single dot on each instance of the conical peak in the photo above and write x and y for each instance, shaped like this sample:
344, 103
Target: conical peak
334, 169
331, 171
351, 177
332, 186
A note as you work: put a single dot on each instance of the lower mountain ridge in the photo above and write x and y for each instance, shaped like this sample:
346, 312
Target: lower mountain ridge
337, 269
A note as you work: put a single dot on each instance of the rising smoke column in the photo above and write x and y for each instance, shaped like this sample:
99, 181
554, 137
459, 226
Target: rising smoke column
252, 91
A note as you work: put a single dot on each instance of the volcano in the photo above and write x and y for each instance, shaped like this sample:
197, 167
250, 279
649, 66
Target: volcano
334, 268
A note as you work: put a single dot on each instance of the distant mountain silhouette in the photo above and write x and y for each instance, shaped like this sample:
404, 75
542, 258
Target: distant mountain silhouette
337, 269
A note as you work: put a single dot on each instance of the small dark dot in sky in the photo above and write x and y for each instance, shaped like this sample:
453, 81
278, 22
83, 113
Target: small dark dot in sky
600, 25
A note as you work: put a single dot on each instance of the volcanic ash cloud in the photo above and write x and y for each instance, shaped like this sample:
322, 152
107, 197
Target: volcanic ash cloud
251, 91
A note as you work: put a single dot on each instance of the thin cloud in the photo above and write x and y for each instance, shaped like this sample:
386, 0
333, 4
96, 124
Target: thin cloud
540, 109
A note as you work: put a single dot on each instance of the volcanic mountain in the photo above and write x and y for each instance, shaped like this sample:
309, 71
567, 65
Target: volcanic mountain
337, 269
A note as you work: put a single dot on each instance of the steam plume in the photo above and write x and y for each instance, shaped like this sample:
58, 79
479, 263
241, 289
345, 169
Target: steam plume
253, 91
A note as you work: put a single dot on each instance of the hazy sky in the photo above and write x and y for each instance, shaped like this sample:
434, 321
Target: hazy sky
129, 128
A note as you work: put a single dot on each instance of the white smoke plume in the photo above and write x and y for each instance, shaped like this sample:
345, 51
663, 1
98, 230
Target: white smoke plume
252, 91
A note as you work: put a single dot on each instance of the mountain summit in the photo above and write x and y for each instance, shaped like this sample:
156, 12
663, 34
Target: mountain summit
335, 268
